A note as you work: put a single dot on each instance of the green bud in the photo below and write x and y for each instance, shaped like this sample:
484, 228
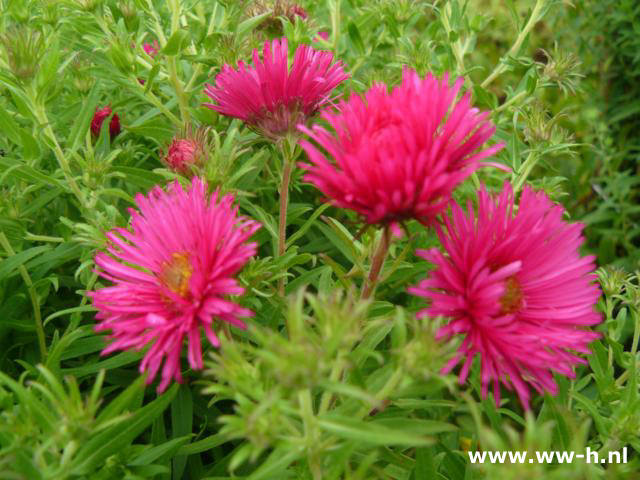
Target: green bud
24, 49
121, 57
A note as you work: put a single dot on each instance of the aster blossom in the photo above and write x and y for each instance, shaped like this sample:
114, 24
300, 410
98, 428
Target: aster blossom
514, 285
271, 97
151, 49
171, 275
398, 155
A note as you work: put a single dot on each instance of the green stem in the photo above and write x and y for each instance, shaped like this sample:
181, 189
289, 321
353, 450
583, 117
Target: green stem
536, 14
174, 6
525, 170
636, 333
43, 238
511, 101
41, 116
335, 24
177, 84
156, 102
42, 345
309, 421
376, 265
456, 47
325, 400
287, 168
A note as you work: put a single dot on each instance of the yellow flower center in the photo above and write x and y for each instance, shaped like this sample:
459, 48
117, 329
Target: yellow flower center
511, 300
176, 273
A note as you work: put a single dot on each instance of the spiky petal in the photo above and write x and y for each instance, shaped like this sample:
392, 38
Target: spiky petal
271, 97
516, 288
398, 155
171, 274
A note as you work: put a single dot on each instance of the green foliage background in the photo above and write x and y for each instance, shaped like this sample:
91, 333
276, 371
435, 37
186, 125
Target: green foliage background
321, 385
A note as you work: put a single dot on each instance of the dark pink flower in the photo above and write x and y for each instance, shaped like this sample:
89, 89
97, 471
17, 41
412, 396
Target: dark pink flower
272, 97
322, 36
513, 284
99, 117
151, 49
399, 155
172, 273
297, 10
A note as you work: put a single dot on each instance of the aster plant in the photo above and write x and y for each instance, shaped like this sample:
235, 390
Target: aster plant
274, 99
171, 274
512, 283
398, 155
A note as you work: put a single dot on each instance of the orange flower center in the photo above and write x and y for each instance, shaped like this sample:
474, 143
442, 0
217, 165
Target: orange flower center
511, 300
176, 273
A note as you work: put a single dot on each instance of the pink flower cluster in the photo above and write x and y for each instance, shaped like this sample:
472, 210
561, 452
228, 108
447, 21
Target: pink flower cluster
509, 278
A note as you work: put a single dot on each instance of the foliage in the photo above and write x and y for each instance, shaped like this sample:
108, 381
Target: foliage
322, 385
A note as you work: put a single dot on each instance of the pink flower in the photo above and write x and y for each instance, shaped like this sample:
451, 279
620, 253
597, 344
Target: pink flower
172, 273
398, 155
297, 10
99, 117
322, 35
514, 285
151, 49
271, 97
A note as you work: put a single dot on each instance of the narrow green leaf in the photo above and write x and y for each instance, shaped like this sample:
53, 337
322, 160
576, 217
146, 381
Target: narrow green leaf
120, 436
9, 265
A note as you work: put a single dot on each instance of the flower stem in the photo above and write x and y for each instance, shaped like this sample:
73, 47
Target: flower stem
376, 265
536, 15
32, 294
174, 6
305, 403
284, 202
525, 170
41, 116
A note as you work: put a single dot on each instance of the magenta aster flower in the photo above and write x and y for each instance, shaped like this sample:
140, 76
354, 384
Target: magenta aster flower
271, 97
98, 118
151, 49
398, 155
172, 273
515, 286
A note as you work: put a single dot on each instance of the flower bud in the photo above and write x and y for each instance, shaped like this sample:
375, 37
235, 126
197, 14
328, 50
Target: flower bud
187, 151
24, 50
98, 119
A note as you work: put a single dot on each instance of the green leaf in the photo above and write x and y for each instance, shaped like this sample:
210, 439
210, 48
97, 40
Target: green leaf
83, 120
181, 424
251, 23
140, 177
204, 445
176, 42
165, 450
277, 462
120, 436
369, 432
356, 38
10, 127
9, 265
